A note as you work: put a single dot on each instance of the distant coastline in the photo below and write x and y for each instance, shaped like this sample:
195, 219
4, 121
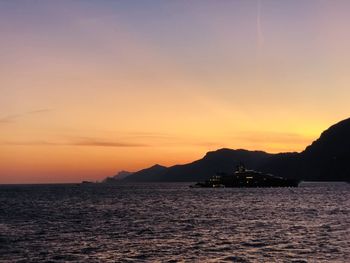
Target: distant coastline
326, 159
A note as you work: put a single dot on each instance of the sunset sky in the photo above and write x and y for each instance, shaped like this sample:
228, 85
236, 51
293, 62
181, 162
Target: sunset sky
89, 88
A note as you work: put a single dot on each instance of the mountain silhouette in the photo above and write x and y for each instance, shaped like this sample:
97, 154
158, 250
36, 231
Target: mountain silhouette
116, 178
222, 160
326, 159
153, 173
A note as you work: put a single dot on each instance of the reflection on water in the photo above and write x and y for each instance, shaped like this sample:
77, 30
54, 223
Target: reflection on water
171, 222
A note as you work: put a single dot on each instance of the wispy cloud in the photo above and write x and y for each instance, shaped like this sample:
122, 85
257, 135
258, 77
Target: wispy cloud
91, 142
149, 135
29, 143
272, 137
39, 111
104, 143
11, 118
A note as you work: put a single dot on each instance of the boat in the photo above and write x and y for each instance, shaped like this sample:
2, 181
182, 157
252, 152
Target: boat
243, 177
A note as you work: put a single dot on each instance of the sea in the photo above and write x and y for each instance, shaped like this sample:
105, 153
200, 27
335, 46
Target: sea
171, 222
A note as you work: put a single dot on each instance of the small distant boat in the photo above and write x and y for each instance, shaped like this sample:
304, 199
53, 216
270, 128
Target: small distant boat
246, 178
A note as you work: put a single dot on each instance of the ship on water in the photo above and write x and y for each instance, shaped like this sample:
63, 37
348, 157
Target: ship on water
243, 177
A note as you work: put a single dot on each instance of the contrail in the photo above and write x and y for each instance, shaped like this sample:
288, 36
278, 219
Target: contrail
259, 32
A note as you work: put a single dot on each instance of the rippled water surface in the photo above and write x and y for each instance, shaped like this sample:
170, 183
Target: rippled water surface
171, 222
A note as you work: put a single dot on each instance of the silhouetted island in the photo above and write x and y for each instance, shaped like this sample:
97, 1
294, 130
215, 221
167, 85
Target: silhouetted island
326, 159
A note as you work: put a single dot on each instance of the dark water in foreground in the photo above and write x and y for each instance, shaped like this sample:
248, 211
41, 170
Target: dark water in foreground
171, 222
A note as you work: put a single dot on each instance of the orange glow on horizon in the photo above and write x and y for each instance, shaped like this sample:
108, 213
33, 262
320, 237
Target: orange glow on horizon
88, 89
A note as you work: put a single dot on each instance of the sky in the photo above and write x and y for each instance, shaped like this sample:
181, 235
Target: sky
89, 88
